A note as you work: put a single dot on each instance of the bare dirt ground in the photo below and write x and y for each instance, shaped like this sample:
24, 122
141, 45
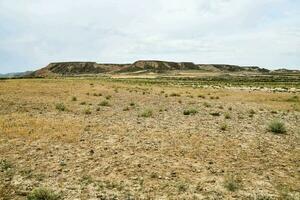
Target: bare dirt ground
96, 139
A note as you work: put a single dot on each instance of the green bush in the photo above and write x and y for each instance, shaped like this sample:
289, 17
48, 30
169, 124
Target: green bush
277, 127
190, 111
60, 107
43, 194
104, 103
146, 113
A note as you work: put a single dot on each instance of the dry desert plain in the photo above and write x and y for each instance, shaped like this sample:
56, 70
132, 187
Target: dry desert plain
89, 138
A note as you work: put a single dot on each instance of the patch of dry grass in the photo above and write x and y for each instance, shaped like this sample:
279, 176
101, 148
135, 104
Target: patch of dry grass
90, 151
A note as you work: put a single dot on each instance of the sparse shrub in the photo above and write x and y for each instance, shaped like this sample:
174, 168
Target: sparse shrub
251, 112
227, 116
104, 103
201, 96
190, 111
216, 114
87, 111
230, 108
74, 98
146, 113
232, 183
60, 107
182, 187
277, 127
83, 103
43, 194
86, 179
132, 104
224, 127
5, 165
98, 109
153, 175
108, 97
263, 197
174, 94
207, 105
179, 101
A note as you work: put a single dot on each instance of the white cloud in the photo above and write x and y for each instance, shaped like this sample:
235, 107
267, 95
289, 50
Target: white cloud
247, 32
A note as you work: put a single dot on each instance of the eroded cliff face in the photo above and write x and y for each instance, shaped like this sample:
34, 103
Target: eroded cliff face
78, 68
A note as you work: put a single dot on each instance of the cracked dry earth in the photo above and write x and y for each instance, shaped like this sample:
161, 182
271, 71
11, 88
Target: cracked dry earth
141, 145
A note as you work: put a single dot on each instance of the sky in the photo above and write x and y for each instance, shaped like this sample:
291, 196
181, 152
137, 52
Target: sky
263, 33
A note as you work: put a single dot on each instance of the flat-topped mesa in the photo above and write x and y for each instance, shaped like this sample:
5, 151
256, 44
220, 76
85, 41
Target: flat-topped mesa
159, 66
76, 68
232, 68
69, 68
81, 68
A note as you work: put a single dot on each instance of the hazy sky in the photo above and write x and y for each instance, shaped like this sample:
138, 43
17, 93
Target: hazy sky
245, 32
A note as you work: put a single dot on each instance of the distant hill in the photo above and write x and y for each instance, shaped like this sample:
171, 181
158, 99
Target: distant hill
80, 68
16, 74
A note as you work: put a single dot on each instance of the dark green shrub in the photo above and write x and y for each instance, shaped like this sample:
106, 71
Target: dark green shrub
277, 127
190, 111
